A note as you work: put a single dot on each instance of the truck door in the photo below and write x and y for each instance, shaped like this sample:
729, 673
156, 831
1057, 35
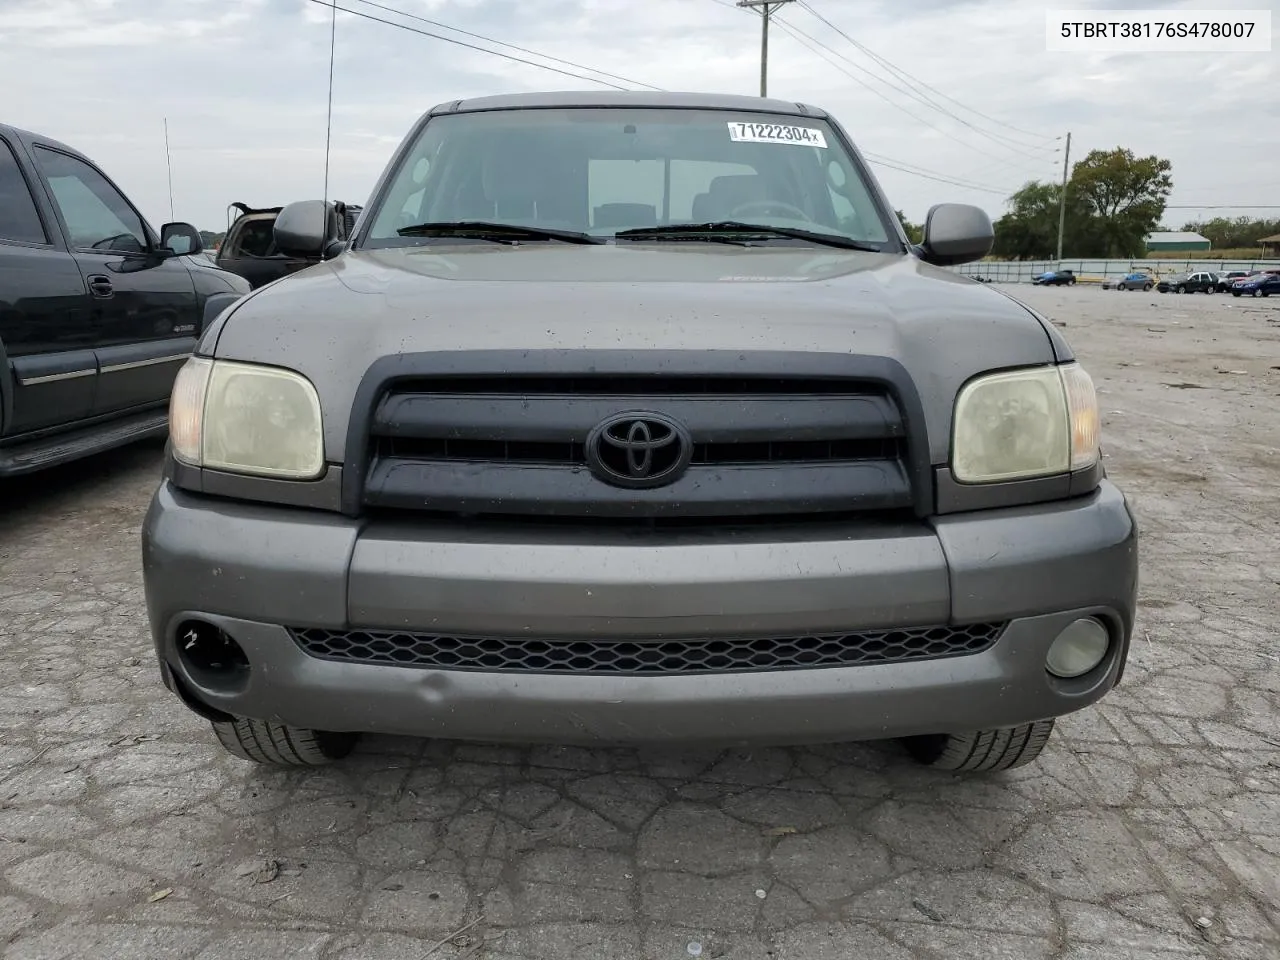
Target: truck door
48, 367
145, 306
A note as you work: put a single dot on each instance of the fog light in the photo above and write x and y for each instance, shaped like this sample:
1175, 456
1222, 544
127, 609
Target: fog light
214, 661
1079, 648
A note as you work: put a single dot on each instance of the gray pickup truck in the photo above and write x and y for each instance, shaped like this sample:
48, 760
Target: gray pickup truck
629, 417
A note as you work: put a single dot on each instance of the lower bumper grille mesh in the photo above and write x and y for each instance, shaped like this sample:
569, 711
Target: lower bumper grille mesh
645, 657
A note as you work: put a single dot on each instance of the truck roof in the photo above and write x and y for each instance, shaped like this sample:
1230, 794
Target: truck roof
27, 137
629, 98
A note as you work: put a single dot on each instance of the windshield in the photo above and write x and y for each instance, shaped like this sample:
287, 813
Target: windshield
603, 171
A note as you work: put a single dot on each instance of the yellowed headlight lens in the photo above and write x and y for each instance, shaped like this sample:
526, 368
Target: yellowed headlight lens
245, 418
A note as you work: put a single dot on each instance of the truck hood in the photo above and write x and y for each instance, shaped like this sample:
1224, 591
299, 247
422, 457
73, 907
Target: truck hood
331, 321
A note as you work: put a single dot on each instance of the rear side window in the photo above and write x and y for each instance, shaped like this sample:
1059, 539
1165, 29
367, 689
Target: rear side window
19, 219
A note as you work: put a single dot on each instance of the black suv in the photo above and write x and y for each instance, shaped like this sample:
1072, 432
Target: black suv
97, 310
249, 248
1202, 281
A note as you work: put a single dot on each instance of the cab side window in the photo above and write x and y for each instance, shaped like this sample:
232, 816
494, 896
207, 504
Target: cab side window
255, 239
19, 219
96, 215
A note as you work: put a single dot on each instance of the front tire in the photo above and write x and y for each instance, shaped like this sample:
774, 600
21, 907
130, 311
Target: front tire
1181, 288
277, 744
1257, 293
1146, 287
982, 750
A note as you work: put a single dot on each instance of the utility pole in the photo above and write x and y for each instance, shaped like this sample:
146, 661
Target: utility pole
767, 9
1062, 199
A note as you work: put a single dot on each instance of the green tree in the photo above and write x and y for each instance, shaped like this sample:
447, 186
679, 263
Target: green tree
1232, 233
1029, 231
1127, 195
914, 231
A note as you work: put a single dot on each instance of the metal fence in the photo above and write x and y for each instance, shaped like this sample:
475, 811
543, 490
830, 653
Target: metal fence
1095, 271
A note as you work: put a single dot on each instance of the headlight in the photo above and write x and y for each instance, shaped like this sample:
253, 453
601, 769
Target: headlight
1025, 423
246, 419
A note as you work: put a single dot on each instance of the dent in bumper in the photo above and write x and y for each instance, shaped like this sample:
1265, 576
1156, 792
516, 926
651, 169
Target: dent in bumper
1003, 686
255, 569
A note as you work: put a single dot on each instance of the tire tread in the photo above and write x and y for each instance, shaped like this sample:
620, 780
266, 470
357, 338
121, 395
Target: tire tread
983, 751
278, 744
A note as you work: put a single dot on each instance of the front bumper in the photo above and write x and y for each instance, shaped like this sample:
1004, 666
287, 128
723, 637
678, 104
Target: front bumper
255, 570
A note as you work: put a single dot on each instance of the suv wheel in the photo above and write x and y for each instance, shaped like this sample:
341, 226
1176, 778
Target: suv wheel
1182, 288
982, 750
265, 741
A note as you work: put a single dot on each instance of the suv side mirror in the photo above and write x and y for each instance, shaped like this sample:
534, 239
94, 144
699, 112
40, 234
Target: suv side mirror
181, 238
304, 228
956, 233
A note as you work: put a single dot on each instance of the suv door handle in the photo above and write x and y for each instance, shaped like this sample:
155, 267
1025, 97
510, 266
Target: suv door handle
100, 286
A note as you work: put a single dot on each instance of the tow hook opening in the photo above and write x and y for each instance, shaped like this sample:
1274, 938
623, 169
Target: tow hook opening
212, 658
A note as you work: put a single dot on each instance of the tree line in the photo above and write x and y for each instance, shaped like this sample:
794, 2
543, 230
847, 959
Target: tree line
1114, 200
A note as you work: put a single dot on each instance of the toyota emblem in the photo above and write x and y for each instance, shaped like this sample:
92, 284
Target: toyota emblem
639, 450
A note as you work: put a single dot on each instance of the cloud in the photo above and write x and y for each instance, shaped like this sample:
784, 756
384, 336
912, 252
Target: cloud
243, 84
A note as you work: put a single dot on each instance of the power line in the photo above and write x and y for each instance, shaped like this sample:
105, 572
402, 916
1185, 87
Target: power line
917, 170
807, 41
998, 139
899, 166
509, 46
328, 4
910, 79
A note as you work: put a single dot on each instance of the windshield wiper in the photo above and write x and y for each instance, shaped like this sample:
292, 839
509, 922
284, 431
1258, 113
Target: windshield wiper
738, 229
499, 232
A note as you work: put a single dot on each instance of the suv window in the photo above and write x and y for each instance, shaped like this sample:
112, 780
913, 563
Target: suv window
253, 239
19, 219
602, 170
97, 216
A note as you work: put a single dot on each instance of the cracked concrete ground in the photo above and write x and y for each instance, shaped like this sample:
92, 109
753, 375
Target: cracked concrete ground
126, 833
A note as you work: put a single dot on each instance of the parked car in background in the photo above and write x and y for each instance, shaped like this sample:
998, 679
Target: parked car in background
1200, 282
98, 311
1260, 285
1227, 280
1055, 278
529, 460
1135, 281
249, 248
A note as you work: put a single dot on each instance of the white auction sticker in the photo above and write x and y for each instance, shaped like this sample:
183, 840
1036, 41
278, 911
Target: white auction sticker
776, 133
1158, 31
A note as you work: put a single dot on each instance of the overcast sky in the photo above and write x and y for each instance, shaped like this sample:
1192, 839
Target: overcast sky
243, 84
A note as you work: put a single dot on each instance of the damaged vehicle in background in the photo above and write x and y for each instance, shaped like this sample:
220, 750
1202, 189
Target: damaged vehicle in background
249, 248
636, 417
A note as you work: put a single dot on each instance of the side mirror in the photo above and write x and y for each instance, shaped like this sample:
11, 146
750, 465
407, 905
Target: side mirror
181, 238
956, 233
304, 228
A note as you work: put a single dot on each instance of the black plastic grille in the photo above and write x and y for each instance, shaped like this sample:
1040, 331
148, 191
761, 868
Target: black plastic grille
573, 453
484, 445
646, 657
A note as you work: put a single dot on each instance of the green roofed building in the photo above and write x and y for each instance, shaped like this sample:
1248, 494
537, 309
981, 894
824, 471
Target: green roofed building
1177, 241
